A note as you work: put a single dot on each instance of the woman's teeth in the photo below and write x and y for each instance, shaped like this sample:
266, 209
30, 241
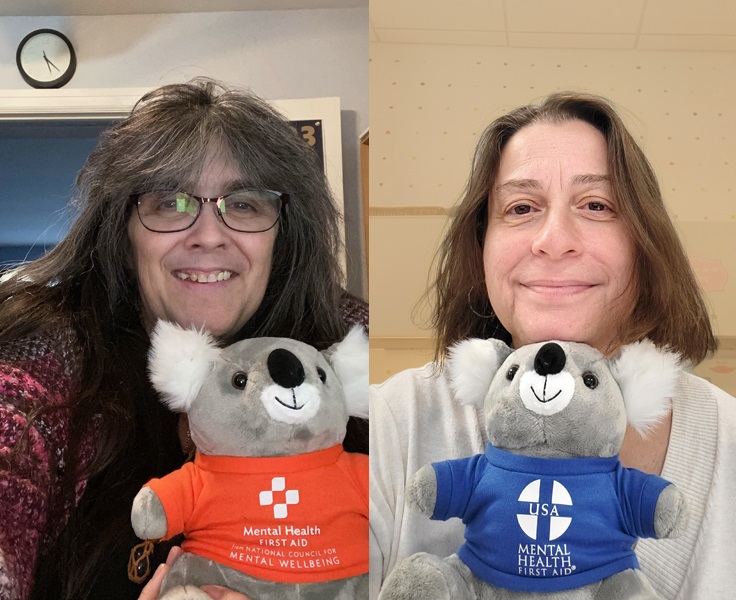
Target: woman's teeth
205, 277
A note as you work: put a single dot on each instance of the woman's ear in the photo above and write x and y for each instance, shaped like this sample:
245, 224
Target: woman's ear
179, 362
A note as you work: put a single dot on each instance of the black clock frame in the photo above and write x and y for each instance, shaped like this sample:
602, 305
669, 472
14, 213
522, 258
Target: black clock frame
59, 81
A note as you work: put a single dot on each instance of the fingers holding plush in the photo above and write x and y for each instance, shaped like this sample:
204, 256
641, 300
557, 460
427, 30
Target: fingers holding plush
217, 592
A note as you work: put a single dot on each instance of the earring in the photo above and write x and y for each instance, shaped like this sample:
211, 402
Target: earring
475, 312
185, 437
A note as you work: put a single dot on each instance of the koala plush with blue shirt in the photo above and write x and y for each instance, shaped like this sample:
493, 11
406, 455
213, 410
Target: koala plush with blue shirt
549, 511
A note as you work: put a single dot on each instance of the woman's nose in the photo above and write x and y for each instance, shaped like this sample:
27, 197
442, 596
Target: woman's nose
558, 233
208, 229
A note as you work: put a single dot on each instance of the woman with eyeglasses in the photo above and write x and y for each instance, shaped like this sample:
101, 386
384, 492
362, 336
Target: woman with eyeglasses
203, 208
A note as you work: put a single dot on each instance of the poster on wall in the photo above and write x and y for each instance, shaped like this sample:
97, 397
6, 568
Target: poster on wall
311, 132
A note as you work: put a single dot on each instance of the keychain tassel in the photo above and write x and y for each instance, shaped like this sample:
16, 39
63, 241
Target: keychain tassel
139, 563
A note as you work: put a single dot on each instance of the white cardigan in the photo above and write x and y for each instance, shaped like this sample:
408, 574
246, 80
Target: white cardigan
415, 421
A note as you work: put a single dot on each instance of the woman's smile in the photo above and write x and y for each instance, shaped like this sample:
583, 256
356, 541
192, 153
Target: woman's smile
204, 277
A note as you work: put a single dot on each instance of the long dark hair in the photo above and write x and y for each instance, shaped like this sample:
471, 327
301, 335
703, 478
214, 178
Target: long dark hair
86, 286
669, 308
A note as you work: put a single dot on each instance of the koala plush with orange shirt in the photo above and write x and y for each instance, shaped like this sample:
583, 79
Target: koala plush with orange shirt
271, 506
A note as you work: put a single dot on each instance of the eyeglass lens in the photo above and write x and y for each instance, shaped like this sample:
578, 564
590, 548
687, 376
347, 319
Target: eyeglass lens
244, 210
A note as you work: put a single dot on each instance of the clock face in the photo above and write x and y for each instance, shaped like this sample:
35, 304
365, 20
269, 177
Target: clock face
46, 59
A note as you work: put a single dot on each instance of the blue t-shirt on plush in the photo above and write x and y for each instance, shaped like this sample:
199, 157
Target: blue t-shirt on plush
546, 524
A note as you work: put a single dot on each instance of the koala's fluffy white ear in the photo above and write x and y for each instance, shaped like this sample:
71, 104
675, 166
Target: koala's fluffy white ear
179, 362
349, 360
472, 363
647, 377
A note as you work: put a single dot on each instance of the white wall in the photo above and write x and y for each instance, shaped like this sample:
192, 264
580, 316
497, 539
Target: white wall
278, 54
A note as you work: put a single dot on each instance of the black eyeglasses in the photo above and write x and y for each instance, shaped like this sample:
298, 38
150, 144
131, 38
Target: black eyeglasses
247, 211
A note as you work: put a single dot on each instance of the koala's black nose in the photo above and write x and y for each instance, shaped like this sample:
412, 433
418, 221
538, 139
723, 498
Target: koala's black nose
550, 359
285, 368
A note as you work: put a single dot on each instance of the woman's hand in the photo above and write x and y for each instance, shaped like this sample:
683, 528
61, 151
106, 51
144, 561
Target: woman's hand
220, 593
153, 588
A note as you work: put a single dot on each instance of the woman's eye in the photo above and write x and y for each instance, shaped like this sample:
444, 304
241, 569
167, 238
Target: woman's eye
158, 202
166, 205
597, 206
521, 209
241, 207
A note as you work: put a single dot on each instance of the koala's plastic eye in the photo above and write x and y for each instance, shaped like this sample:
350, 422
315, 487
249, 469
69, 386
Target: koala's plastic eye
322, 375
590, 380
512, 372
239, 380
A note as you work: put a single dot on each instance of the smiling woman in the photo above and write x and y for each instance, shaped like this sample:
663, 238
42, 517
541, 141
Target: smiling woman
205, 264
556, 252
81, 429
562, 234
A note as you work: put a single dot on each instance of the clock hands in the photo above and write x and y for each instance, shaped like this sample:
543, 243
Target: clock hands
52, 48
49, 64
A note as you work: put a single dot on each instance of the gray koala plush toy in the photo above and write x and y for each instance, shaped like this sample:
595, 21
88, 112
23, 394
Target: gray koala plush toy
549, 511
271, 506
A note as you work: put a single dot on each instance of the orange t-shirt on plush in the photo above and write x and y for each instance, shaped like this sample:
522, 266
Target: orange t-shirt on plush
294, 519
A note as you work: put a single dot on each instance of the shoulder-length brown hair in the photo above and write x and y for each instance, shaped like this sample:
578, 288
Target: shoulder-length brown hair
669, 307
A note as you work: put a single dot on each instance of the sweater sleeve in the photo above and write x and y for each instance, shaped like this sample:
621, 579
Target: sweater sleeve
386, 483
35, 373
354, 311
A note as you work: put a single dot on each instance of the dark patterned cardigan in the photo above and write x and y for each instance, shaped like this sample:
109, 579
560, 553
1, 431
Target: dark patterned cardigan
39, 372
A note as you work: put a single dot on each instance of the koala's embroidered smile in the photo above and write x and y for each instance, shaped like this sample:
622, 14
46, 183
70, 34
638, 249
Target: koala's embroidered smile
294, 404
291, 405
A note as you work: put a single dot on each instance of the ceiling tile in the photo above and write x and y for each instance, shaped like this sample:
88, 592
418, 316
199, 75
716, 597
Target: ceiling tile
372, 37
574, 16
447, 38
711, 43
705, 17
572, 40
130, 7
473, 15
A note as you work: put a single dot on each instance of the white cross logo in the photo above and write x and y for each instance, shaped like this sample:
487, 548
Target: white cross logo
558, 524
278, 484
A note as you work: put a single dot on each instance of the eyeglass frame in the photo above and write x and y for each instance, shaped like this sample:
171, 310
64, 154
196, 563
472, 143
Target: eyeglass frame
284, 198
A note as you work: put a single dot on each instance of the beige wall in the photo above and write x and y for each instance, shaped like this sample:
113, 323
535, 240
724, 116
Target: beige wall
428, 105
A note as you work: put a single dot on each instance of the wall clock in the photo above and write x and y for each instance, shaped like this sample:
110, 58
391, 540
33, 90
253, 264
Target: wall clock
46, 59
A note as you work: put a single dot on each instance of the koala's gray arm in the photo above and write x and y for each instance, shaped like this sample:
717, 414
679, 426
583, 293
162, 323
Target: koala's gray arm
421, 493
148, 516
671, 513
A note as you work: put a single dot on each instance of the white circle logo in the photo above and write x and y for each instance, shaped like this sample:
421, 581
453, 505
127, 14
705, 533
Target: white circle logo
536, 510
